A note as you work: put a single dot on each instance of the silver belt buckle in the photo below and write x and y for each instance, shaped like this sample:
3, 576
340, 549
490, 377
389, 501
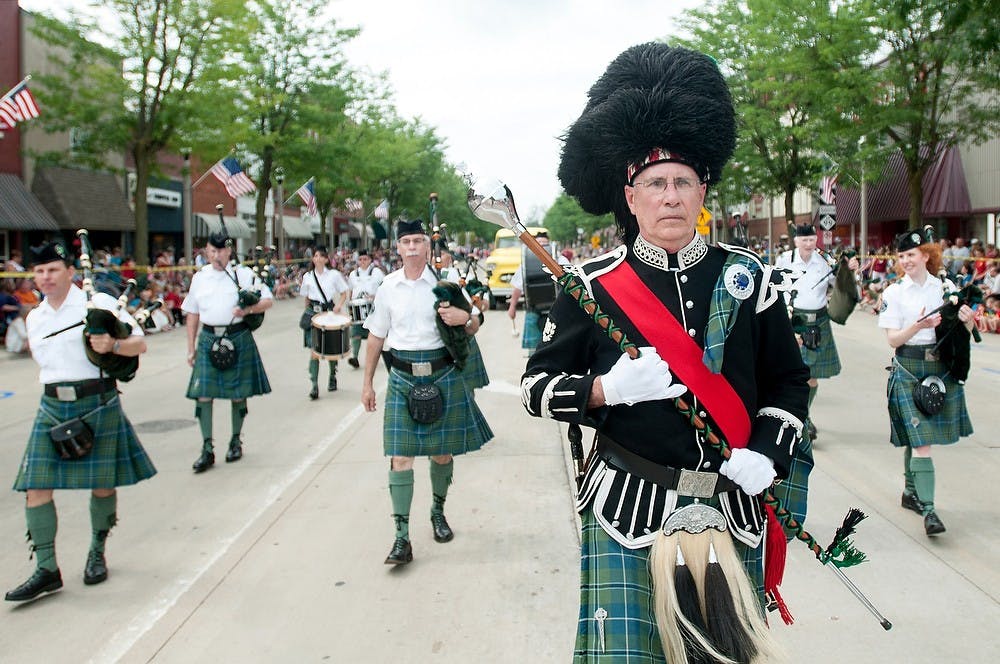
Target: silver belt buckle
810, 318
219, 330
421, 368
697, 484
65, 393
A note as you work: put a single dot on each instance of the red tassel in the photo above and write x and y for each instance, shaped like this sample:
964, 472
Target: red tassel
776, 548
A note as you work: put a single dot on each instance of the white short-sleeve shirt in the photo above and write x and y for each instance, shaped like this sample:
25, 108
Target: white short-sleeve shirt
903, 301
332, 283
213, 294
62, 357
811, 288
364, 283
404, 313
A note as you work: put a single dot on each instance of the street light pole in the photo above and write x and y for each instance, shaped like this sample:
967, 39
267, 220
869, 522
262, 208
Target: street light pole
186, 210
864, 205
279, 212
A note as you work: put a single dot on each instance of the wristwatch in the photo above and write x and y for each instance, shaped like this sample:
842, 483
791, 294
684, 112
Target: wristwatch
116, 347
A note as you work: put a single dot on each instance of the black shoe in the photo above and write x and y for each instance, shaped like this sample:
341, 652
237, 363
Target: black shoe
331, 386
96, 569
353, 361
42, 581
235, 452
401, 554
911, 502
442, 531
932, 524
314, 393
204, 462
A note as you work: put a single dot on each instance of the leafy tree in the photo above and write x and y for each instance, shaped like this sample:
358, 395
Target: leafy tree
565, 217
137, 91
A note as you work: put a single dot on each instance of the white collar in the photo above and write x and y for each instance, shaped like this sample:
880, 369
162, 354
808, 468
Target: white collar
659, 258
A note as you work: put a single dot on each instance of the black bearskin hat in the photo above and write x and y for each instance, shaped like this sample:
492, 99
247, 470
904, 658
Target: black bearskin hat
652, 96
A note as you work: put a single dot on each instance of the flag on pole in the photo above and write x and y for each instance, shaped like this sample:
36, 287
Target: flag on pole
16, 106
828, 189
382, 211
230, 174
353, 205
307, 193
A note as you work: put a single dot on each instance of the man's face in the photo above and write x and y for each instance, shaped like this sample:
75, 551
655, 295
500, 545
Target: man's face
53, 278
666, 216
219, 258
806, 244
413, 248
364, 261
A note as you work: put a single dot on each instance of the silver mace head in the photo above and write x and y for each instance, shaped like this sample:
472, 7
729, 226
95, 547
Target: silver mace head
494, 203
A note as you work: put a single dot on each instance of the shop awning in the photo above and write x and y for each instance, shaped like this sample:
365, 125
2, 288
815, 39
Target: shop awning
206, 224
83, 199
20, 210
296, 227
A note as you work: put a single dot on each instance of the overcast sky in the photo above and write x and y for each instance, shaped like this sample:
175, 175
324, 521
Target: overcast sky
500, 79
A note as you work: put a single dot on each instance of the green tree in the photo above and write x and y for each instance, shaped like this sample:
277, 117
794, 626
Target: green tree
131, 77
565, 218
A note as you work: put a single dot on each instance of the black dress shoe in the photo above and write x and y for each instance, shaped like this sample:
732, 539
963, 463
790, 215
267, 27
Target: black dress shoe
911, 502
235, 452
41, 582
401, 554
331, 386
442, 531
314, 393
932, 524
96, 569
353, 361
204, 462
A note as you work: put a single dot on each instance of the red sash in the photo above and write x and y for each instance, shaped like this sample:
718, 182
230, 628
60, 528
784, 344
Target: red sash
678, 349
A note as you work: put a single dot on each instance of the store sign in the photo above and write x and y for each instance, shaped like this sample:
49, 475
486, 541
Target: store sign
163, 197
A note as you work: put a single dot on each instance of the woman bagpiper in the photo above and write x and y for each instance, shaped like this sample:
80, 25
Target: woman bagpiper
919, 417
324, 289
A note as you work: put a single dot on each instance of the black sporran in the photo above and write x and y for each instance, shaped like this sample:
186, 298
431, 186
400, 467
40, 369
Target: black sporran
425, 403
223, 353
73, 439
811, 337
929, 395
305, 321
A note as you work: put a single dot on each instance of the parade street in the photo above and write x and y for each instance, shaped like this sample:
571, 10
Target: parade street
279, 557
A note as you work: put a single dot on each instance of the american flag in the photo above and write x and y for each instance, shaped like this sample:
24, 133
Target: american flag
382, 211
232, 176
353, 205
17, 105
827, 189
307, 193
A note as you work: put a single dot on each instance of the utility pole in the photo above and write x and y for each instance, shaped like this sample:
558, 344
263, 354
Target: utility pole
186, 210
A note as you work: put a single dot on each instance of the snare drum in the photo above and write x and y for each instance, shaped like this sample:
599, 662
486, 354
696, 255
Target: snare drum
360, 308
330, 336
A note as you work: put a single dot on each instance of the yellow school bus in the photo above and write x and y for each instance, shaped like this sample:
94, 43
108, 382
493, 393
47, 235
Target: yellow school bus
504, 261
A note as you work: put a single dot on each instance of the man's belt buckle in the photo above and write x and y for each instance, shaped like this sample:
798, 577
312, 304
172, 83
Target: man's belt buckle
66, 393
930, 355
421, 369
697, 484
809, 317
219, 330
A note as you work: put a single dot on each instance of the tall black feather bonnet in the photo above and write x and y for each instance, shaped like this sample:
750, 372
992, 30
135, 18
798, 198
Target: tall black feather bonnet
654, 103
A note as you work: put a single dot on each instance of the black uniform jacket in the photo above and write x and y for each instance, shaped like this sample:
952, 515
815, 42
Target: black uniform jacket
761, 360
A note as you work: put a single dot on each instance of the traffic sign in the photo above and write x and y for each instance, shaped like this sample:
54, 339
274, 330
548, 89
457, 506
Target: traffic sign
828, 209
826, 222
827, 238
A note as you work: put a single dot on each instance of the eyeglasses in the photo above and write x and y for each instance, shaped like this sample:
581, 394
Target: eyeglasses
659, 185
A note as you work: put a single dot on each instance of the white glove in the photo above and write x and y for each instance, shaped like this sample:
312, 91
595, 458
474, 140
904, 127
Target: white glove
753, 471
646, 378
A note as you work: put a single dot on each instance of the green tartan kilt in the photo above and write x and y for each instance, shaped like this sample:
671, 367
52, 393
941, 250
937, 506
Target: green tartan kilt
617, 579
532, 334
462, 428
823, 362
358, 331
244, 380
117, 459
909, 426
475, 368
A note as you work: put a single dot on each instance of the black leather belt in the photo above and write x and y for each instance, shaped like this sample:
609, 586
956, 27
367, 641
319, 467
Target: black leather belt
78, 389
418, 368
812, 316
219, 330
686, 482
926, 353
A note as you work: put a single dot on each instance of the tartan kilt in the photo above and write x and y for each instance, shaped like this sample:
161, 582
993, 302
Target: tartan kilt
909, 426
823, 362
617, 579
244, 380
532, 334
793, 491
475, 368
462, 428
117, 458
358, 330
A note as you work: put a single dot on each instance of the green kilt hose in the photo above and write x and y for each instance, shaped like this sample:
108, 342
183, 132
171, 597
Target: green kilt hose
358, 330
117, 458
617, 579
532, 330
462, 428
475, 369
909, 426
244, 380
823, 361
